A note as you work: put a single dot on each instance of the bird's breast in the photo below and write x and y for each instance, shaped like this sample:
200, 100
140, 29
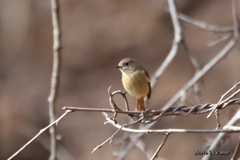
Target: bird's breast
136, 84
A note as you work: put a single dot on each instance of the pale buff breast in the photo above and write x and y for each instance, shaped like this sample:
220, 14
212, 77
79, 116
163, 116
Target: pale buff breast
136, 84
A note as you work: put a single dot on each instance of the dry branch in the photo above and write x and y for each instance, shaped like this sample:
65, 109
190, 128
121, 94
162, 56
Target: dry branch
40, 132
55, 76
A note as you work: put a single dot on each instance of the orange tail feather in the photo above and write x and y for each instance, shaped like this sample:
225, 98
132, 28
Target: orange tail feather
140, 104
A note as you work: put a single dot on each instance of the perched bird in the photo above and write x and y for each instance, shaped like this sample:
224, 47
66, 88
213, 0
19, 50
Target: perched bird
135, 80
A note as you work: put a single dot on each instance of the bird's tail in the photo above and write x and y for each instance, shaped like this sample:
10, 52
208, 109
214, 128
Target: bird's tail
140, 104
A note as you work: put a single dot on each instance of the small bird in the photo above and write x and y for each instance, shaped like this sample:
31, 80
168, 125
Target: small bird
135, 80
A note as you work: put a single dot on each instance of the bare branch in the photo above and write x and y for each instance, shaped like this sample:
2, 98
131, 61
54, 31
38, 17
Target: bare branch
55, 76
40, 132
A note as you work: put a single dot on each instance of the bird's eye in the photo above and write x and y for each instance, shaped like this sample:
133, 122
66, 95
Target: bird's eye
126, 64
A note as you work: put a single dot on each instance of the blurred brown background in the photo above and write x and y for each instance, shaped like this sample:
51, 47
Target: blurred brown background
96, 35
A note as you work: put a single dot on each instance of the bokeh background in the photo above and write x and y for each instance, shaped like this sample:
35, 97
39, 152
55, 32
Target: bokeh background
96, 35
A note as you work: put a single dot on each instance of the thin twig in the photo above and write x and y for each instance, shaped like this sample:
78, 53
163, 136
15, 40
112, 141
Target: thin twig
55, 76
160, 146
40, 132
203, 25
104, 142
220, 39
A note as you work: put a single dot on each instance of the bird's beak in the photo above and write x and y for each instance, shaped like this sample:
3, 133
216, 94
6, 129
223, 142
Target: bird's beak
119, 67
